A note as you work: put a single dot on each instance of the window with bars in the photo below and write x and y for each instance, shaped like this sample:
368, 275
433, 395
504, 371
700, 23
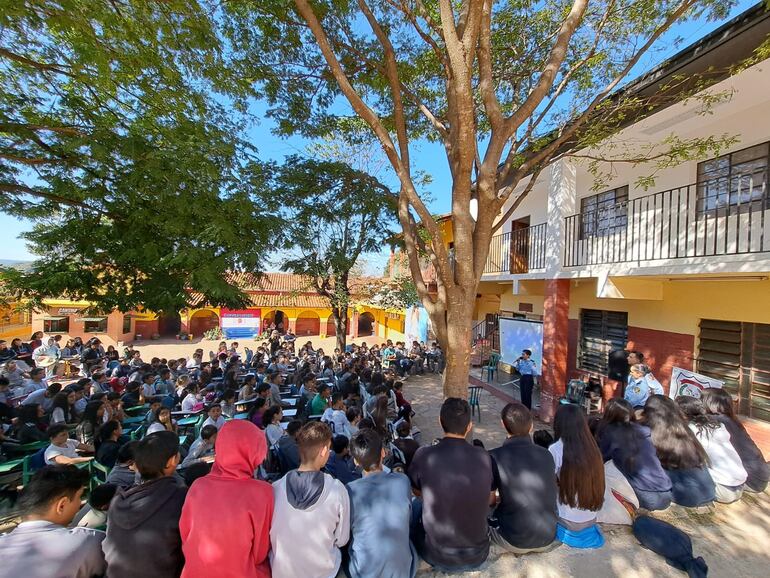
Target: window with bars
127, 324
602, 214
735, 182
600, 333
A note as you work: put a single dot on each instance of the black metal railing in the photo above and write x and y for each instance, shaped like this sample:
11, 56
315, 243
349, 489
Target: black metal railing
724, 216
517, 252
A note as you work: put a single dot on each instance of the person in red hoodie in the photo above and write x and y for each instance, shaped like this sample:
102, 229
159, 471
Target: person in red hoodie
225, 523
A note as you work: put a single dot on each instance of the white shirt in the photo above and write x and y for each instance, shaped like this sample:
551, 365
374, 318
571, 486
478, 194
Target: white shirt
725, 465
189, 402
70, 450
41, 549
575, 515
155, 426
339, 422
217, 424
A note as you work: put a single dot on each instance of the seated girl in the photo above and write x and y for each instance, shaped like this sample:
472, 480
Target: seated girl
630, 448
719, 403
725, 465
680, 453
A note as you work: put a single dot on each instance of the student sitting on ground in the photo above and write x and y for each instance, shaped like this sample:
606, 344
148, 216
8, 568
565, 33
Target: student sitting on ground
680, 453
719, 403
202, 449
380, 506
42, 546
64, 451
143, 521
340, 465
405, 441
124, 473
288, 451
94, 513
724, 465
215, 416
313, 505
452, 533
236, 540
580, 473
629, 446
526, 509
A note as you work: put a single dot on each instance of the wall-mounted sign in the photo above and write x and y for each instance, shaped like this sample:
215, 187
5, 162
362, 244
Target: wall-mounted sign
68, 310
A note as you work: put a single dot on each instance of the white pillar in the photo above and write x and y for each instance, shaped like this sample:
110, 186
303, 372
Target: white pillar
562, 202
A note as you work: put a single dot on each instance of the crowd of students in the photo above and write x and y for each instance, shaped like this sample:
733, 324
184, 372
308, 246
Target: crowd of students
347, 486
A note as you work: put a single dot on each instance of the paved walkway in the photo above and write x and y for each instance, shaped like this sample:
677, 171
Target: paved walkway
734, 539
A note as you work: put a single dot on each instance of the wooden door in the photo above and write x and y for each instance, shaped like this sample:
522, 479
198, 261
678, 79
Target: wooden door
520, 246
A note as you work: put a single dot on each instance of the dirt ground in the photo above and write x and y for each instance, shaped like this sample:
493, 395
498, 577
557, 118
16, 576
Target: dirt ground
733, 539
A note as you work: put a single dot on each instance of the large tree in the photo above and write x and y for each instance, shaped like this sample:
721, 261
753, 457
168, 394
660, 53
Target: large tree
505, 86
333, 215
121, 138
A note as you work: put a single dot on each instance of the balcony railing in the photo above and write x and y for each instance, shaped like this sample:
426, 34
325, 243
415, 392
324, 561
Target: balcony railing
517, 252
725, 216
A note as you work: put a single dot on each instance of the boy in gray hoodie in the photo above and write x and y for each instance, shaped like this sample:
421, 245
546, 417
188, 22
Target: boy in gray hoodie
311, 516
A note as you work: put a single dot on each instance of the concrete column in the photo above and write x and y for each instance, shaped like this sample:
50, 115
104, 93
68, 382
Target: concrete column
292, 325
562, 202
354, 325
553, 382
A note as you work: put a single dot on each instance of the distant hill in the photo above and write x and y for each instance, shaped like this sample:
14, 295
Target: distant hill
16, 264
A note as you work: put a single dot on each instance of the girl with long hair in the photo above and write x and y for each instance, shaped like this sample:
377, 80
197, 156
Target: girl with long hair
629, 446
719, 403
579, 469
680, 453
90, 422
162, 421
725, 465
61, 408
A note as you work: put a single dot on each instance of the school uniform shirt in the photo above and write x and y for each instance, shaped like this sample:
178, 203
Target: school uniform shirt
274, 433
526, 367
575, 515
725, 466
455, 479
317, 507
637, 391
751, 456
42, 549
380, 511
38, 396
524, 476
338, 422
15, 377
640, 465
69, 450
217, 424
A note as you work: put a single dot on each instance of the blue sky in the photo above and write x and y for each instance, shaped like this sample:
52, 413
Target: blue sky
427, 157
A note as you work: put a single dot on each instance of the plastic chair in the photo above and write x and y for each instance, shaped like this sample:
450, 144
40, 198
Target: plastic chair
31, 464
99, 473
474, 393
491, 367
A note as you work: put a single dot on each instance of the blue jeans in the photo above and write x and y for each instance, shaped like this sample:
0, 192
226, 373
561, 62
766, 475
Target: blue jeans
691, 488
653, 500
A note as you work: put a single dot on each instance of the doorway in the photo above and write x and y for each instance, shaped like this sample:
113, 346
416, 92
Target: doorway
520, 246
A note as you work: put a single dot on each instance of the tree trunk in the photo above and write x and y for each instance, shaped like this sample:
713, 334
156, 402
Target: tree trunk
457, 345
340, 317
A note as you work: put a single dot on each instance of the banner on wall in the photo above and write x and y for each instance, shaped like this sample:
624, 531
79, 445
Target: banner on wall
239, 323
685, 382
416, 325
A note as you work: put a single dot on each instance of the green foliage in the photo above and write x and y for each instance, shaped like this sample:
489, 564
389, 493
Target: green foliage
332, 214
121, 137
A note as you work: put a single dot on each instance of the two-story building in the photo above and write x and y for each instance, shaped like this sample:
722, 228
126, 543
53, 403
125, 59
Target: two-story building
679, 271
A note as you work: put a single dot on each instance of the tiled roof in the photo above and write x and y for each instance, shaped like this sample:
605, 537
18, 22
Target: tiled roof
271, 282
299, 301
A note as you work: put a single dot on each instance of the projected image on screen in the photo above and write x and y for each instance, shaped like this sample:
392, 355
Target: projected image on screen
518, 334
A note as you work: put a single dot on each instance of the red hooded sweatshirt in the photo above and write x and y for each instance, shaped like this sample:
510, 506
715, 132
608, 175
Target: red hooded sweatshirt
225, 523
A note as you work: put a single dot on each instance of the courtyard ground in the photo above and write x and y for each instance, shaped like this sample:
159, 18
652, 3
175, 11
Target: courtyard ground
733, 539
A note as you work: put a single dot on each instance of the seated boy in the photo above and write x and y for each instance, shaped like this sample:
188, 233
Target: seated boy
202, 449
64, 451
124, 473
288, 451
527, 508
143, 521
313, 505
340, 465
380, 505
42, 546
235, 540
215, 416
405, 442
453, 532
335, 416
94, 513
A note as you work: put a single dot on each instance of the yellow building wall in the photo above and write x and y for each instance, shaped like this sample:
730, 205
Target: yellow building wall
510, 302
18, 323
